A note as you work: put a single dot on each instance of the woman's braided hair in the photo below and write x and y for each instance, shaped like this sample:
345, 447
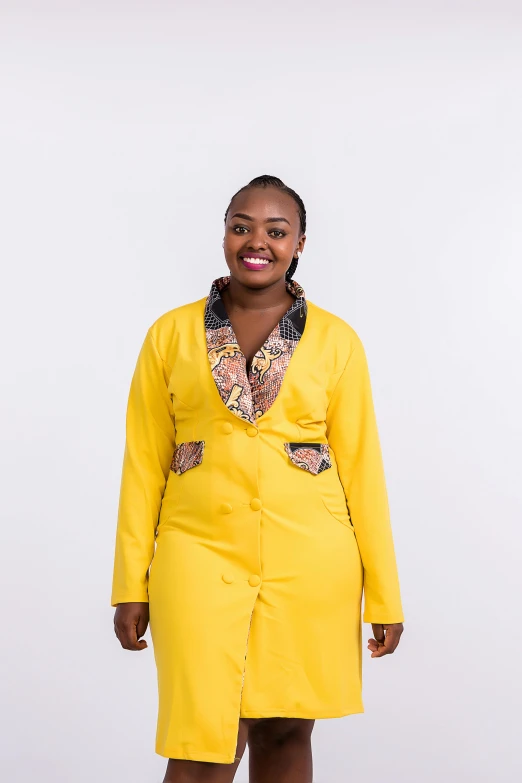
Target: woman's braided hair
267, 181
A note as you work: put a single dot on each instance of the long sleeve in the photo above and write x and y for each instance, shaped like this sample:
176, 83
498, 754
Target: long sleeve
149, 446
353, 435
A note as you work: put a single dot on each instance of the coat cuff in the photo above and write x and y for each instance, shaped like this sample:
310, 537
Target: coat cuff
126, 598
382, 618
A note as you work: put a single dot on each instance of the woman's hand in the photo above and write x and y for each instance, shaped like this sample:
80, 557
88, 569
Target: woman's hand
130, 622
384, 645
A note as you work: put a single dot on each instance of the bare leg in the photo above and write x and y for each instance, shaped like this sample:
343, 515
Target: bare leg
183, 771
280, 749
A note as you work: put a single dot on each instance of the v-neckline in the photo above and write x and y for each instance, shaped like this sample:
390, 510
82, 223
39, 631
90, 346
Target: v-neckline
250, 393
269, 336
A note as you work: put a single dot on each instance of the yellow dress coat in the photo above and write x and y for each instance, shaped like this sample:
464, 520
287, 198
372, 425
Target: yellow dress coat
253, 512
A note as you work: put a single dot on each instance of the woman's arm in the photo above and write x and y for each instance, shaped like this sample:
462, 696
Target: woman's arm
149, 447
352, 434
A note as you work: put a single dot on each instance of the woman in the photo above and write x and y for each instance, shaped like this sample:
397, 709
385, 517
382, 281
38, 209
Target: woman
254, 489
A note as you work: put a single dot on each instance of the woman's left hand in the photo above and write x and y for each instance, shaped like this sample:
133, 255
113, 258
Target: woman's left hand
385, 644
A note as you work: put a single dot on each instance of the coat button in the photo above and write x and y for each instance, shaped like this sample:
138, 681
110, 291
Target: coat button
255, 504
228, 578
254, 580
252, 432
225, 508
227, 427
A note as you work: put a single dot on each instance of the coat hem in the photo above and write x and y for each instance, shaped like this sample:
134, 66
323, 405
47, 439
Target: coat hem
275, 713
221, 758
217, 758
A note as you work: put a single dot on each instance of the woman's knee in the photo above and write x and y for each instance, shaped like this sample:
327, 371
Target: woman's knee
276, 731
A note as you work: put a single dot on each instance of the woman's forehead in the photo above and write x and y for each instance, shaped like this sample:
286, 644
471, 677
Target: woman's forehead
265, 202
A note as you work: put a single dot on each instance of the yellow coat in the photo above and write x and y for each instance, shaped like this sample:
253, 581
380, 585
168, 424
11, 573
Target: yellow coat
262, 512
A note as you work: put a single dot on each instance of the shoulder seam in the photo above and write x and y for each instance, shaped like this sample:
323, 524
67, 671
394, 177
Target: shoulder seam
157, 351
340, 373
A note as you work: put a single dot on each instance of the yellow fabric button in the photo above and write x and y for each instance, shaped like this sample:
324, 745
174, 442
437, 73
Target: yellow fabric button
251, 432
225, 508
227, 428
255, 504
228, 578
254, 580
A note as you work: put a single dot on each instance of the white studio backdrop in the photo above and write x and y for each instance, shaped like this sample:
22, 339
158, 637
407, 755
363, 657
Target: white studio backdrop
125, 129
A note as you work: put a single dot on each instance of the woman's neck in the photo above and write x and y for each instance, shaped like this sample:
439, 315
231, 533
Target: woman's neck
237, 296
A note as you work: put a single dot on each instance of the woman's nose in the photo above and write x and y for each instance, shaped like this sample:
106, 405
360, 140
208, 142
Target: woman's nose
258, 239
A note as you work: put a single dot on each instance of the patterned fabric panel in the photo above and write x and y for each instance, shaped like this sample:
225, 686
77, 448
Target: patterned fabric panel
313, 457
187, 455
250, 395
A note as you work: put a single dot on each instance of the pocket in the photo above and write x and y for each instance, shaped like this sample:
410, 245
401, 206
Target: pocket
340, 514
313, 457
187, 455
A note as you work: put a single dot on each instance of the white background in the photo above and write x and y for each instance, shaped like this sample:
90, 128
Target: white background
126, 128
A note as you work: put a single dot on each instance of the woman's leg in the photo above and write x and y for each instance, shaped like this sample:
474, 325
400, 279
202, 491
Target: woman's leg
182, 771
280, 749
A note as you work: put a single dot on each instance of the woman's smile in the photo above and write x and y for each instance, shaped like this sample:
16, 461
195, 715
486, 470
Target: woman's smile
254, 261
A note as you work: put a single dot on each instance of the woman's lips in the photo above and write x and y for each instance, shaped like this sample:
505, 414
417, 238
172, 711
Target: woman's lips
254, 262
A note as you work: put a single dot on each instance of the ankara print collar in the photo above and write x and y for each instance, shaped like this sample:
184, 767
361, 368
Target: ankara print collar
250, 394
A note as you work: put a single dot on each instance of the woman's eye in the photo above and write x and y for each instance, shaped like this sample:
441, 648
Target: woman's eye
279, 233
239, 229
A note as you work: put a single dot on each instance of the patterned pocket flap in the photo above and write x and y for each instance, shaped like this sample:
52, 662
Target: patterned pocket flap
187, 455
313, 457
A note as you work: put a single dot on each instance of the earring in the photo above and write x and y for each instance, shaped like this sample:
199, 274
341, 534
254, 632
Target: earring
223, 245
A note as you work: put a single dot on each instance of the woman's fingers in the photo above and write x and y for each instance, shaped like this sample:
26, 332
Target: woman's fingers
385, 643
143, 622
130, 622
129, 639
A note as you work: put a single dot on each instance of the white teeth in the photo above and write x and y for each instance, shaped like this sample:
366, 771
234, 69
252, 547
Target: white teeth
260, 261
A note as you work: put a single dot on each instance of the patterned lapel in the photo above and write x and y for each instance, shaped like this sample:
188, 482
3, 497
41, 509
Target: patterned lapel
250, 395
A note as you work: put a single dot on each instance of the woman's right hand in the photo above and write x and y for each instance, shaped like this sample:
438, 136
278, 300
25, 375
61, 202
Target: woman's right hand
130, 622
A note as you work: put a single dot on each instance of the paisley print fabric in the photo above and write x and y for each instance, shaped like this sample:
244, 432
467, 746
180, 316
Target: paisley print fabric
313, 457
187, 455
250, 394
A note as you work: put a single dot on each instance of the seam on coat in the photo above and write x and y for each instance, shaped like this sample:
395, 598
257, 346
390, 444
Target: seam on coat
340, 373
158, 353
246, 652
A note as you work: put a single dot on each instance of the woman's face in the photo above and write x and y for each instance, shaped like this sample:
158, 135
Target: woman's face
262, 235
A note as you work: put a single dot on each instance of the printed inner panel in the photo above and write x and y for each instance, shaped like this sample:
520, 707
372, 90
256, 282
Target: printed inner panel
313, 457
187, 455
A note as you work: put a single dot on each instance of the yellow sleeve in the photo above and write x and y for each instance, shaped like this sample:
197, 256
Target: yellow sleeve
149, 446
353, 435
